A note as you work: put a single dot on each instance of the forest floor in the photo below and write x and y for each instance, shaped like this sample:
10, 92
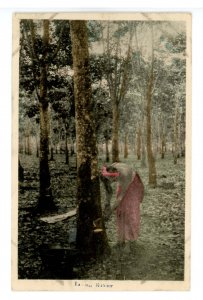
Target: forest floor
158, 254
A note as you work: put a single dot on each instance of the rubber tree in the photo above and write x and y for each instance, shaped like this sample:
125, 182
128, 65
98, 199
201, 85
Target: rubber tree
91, 237
117, 75
33, 78
149, 97
40, 60
45, 199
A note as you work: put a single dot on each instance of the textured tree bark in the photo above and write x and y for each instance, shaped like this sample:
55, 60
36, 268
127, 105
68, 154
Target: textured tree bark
52, 153
29, 151
143, 142
51, 145
27, 134
107, 149
176, 139
45, 199
115, 131
88, 185
37, 152
126, 146
163, 145
66, 145
151, 160
143, 159
139, 143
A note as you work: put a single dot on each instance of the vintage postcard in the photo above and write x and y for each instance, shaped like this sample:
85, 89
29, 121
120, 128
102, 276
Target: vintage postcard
101, 151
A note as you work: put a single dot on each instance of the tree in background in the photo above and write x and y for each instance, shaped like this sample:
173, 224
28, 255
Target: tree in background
149, 97
132, 81
62, 101
117, 72
39, 50
103, 114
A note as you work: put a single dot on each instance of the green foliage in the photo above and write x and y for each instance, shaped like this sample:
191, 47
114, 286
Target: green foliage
169, 70
94, 30
58, 61
32, 111
31, 54
102, 109
123, 28
175, 44
97, 67
102, 65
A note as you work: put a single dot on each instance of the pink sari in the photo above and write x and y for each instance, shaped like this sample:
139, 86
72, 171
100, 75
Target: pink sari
128, 211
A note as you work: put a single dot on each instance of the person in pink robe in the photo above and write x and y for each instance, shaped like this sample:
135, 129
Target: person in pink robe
129, 195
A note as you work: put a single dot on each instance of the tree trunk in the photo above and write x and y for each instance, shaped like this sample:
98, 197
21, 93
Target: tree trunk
29, 152
20, 172
37, 147
51, 135
163, 145
66, 146
24, 145
183, 148
72, 147
176, 152
118, 91
45, 203
139, 143
162, 149
126, 146
143, 159
115, 132
52, 153
45, 188
88, 186
151, 160
27, 130
107, 149
143, 143
37, 152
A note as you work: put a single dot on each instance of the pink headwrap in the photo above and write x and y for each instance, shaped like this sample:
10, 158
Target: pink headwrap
106, 173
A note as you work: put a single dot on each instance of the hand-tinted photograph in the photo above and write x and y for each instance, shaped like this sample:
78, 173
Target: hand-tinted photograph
101, 153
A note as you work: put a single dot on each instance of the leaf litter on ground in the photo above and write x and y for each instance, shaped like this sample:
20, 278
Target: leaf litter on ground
158, 254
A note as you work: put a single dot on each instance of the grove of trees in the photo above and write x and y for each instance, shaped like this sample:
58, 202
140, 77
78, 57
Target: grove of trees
100, 89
